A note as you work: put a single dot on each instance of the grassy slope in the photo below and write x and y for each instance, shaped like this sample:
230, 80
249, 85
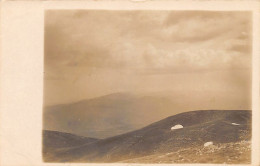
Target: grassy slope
157, 138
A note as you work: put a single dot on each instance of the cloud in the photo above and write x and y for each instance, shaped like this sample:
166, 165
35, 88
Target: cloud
89, 51
196, 26
176, 17
244, 48
141, 39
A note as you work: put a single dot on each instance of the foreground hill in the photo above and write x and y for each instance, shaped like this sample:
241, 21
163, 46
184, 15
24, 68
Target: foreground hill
54, 141
217, 126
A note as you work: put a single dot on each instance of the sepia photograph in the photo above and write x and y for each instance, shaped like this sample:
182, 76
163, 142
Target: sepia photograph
144, 86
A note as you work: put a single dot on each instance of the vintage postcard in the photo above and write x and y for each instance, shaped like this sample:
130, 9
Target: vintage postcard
142, 85
147, 86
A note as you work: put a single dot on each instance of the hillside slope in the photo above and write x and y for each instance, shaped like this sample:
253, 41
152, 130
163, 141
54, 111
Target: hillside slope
217, 126
229, 153
57, 139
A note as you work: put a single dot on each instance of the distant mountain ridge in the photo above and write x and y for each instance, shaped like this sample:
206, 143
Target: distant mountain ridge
219, 126
118, 113
106, 115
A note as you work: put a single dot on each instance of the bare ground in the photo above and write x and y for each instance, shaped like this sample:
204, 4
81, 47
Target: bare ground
229, 153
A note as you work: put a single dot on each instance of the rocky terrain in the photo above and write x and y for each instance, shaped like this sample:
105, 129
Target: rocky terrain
228, 153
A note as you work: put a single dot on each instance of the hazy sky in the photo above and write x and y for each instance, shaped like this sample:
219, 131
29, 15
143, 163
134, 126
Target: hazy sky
93, 53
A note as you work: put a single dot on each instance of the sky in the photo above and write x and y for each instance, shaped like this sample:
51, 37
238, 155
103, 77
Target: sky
90, 53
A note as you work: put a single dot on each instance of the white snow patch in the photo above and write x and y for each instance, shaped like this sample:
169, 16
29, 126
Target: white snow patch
178, 126
235, 124
208, 144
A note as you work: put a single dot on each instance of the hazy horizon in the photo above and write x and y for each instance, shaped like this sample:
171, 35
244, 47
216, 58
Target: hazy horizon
141, 52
